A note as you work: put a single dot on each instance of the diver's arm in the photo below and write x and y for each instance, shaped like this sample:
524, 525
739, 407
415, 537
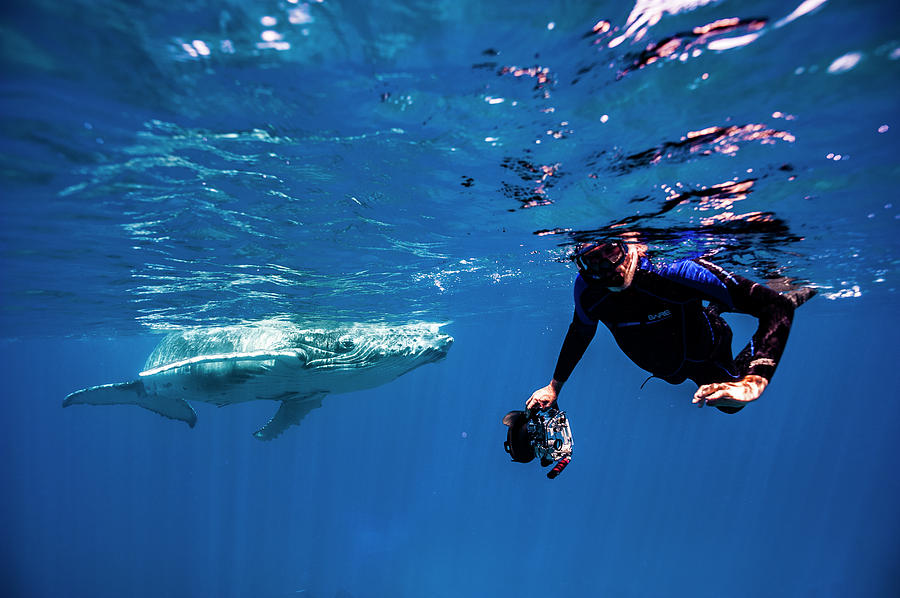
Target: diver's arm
731, 394
775, 314
544, 397
575, 344
706, 280
774, 311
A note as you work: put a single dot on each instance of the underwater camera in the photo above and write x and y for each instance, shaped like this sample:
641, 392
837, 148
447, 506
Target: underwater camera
542, 434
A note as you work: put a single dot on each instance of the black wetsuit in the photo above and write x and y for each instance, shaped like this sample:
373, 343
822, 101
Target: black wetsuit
667, 322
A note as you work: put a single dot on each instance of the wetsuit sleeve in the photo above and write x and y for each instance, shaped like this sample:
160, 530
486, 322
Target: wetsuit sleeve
575, 344
774, 312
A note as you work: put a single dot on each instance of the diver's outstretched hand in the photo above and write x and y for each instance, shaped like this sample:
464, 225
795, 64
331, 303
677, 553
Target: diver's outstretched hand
731, 394
545, 397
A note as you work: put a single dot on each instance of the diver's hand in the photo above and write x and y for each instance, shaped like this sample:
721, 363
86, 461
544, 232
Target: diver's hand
731, 394
543, 398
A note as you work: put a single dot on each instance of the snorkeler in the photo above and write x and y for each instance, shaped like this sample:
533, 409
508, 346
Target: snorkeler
665, 318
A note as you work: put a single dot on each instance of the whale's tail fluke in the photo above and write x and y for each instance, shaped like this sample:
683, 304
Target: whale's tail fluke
133, 393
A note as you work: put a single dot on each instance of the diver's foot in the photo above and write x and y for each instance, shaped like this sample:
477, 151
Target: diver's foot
800, 295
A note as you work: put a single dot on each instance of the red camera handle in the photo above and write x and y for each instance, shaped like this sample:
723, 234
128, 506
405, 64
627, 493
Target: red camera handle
557, 469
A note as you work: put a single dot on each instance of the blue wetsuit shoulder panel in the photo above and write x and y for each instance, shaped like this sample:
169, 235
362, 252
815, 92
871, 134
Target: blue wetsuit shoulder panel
693, 275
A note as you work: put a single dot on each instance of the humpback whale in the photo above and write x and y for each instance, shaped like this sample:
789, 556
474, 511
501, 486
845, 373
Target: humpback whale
272, 360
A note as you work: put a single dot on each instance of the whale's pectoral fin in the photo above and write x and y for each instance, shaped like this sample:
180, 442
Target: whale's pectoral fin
133, 393
289, 414
171, 408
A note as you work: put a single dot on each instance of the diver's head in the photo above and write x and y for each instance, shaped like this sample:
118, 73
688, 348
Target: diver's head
603, 263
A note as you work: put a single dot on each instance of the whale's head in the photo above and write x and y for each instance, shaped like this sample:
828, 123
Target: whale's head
426, 341
408, 345
367, 355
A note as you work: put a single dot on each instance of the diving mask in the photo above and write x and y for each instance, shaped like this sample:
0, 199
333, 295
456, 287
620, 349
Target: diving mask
599, 261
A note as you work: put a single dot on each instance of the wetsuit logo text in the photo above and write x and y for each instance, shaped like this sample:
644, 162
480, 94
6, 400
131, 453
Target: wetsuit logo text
663, 314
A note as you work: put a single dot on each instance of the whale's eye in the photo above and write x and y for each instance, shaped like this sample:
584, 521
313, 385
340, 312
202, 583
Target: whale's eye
345, 343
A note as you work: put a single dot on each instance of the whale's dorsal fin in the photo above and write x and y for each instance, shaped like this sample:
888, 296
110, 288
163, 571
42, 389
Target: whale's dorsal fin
290, 413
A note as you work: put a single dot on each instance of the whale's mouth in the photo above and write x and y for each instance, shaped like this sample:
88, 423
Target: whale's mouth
442, 346
437, 349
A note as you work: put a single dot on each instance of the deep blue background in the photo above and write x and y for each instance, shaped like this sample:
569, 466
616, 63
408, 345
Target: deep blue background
405, 490
368, 173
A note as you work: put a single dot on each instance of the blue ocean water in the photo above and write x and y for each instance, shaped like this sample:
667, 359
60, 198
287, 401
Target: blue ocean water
167, 166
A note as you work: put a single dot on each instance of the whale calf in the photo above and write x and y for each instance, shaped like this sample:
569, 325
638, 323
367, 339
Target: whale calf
273, 361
